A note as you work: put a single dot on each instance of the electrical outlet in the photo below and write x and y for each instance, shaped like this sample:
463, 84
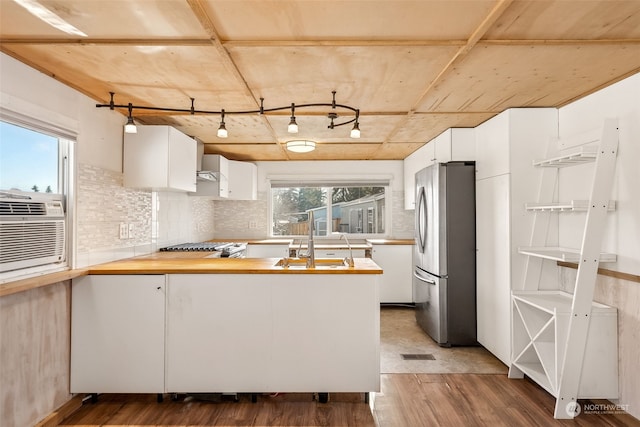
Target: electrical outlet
131, 230
124, 230
253, 224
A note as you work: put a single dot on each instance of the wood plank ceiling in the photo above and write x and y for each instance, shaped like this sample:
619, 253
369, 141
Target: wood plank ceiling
413, 68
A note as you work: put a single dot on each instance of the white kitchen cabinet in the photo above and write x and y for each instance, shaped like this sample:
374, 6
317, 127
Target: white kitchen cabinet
454, 144
418, 160
234, 180
159, 158
243, 180
505, 180
267, 251
218, 189
339, 253
117, 334
272, 333
397, 263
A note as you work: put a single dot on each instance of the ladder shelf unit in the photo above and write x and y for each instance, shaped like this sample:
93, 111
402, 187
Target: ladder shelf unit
567, 343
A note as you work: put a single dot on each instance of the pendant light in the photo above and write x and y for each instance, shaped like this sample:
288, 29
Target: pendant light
293, 126
222, 130
130, 126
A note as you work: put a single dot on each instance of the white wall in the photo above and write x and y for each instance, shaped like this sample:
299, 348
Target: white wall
621, 100
622, 233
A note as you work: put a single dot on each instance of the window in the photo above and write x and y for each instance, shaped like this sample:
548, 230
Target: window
29, 161
357, 209
33, 199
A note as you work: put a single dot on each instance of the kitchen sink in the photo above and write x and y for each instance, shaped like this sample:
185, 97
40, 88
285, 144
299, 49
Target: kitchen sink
320, 263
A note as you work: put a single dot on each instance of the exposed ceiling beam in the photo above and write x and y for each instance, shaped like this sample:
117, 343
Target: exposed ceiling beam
308, 43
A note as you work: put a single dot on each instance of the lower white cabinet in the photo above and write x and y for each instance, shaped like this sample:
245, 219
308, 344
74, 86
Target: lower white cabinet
267, 251
118, 334
396, 285
225, 333
272, 333
339, 253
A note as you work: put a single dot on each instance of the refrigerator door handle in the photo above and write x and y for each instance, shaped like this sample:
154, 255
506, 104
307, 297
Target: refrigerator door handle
422, 279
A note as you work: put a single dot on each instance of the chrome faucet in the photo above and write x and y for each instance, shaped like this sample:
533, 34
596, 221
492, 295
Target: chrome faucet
349, 260
310, 255
311, 250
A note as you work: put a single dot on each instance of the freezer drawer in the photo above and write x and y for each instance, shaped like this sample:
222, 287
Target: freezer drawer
430, 294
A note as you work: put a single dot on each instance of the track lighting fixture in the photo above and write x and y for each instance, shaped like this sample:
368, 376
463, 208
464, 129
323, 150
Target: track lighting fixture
293, 126
355, 132
130, 126
222, 130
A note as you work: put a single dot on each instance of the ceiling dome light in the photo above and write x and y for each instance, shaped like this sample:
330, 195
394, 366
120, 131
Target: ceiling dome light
301, 146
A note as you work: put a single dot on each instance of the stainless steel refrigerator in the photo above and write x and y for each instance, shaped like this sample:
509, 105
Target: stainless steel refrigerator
444, 276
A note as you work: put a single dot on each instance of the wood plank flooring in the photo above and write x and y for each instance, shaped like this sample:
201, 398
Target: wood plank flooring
409, 400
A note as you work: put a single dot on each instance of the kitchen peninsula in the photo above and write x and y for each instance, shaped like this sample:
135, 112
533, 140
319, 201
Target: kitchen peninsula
185, 323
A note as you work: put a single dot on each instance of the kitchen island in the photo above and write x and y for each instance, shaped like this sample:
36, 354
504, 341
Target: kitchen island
184, 323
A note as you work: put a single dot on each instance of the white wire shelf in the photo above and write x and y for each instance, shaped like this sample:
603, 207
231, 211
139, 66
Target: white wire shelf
580, 156
562, 254
570, 206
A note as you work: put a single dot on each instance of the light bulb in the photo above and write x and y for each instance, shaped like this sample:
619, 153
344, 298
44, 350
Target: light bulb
293, 126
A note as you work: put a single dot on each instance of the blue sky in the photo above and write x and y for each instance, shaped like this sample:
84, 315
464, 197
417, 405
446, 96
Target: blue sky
27, 158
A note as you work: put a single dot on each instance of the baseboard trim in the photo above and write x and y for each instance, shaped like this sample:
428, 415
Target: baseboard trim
59, 415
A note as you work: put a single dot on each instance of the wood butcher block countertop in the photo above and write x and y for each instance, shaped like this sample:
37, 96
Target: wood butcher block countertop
198, 263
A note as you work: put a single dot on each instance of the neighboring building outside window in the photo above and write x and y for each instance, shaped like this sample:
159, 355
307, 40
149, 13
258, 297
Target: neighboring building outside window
354, 209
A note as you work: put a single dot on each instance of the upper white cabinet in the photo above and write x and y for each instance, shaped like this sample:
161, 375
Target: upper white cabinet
455, 144
235, 180
505, 181
243, 180
451, 145
160, 158
419, 159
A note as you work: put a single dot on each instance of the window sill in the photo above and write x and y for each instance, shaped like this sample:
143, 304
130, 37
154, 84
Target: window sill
22, 285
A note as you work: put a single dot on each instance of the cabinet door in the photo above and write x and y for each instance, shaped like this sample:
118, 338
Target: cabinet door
182, 161
418, 160
219, 333
242, 180
159, 158
267, 251
493, 266
397, 263
339, 253
117, 334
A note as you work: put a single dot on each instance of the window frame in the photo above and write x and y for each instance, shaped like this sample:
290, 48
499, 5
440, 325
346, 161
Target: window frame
383, 181
67, 140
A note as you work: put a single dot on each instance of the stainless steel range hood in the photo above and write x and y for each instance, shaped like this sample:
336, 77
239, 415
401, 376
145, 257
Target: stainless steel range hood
204, 175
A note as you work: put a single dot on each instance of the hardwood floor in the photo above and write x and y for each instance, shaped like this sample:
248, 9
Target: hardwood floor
409, 400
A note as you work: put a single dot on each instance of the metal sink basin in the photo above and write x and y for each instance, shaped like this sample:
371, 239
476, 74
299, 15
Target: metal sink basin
320, 263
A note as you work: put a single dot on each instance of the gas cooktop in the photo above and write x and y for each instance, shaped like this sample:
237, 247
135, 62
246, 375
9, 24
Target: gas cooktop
226, 249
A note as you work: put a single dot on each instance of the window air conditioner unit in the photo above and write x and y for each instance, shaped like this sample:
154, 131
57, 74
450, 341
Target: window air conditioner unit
32, 231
